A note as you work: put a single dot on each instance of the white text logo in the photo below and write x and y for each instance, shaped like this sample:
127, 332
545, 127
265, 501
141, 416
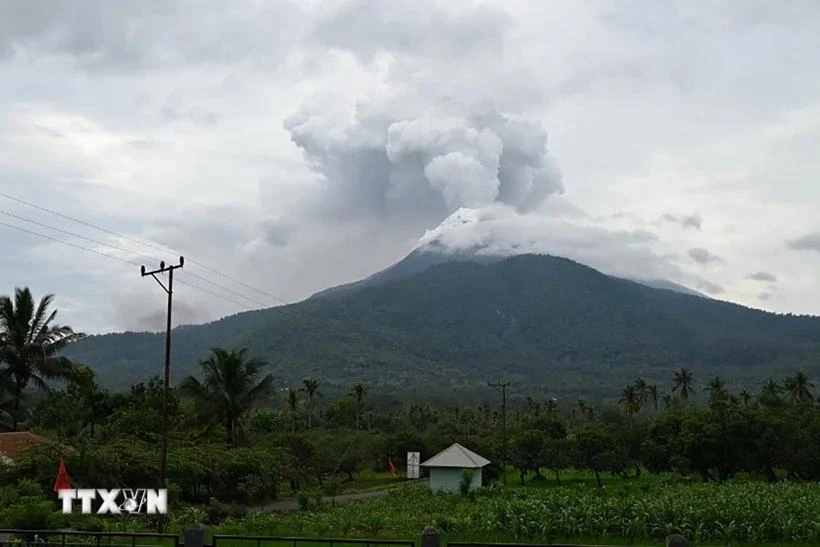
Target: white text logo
117, 501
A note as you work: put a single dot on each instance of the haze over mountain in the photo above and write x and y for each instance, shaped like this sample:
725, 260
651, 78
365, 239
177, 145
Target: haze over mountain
547, 324
423, 257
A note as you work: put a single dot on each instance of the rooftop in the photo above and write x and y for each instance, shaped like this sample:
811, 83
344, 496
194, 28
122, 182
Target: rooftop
15, 442
457, 456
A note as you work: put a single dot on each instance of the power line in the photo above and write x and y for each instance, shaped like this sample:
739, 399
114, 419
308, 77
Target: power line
226, 276
135, 253
118, 259
206, 291
73, 234
224, 288
54, 239
139, 242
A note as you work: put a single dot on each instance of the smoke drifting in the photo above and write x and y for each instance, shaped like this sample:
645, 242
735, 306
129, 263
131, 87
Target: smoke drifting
452, 147
428, 165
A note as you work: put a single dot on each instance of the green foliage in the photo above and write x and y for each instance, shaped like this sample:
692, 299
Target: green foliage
735, 513
29, 348
31, 513
541, 320
230, 389
465, 483
24, 507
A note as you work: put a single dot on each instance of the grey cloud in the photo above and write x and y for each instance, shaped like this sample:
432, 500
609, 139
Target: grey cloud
687, 221
143, 144
367, 27
276, 232
197, 116
98, 34
709, 287
51, 132
808, 242
763, 276
764, 296
703, 256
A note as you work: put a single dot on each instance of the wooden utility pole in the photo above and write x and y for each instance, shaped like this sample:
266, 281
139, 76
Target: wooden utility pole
163, 268
503, 386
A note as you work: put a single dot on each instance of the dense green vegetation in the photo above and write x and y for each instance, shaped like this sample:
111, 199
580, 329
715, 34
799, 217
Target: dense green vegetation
689, 454
549, 325
708, 514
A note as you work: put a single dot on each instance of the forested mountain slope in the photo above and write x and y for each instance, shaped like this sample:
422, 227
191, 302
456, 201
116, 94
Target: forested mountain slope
546, 323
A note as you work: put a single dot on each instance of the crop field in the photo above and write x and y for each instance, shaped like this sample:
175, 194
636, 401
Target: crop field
739, 513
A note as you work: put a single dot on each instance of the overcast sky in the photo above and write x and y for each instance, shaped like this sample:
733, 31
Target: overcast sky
297, 145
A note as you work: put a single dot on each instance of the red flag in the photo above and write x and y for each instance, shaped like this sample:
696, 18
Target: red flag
391, 467
63, 482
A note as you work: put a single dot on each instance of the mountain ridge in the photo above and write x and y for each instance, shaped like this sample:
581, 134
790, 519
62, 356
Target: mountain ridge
421, 258
546, 323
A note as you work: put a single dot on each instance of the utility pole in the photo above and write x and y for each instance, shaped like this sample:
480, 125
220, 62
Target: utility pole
163, 465
503, 386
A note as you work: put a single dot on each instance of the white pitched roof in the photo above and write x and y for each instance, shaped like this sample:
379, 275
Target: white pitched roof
457, 456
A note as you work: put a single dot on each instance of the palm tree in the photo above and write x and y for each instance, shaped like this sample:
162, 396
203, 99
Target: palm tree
642, 389
655, 395
684, 383
745, 396
311, 388
630, 400
95, 401
799, 388
716, 387
293, 407
359, 392
230, 390
770, 393
551, 407
29, 344
6, 405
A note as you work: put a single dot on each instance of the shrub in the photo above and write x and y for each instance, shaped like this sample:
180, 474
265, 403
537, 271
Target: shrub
465, 486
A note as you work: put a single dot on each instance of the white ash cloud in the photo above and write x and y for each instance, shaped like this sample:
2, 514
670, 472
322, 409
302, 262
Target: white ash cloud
499, 230
380, 164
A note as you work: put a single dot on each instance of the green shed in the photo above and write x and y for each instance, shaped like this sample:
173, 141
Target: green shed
447, 466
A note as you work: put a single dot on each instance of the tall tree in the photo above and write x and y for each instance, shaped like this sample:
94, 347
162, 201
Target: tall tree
29, 344
6, 405
642, 389
799, 388
684, 383
311, 389
293, 407
94, 401
359, 393
654, 396
770, 393
231, 388
716, 387
630, 400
